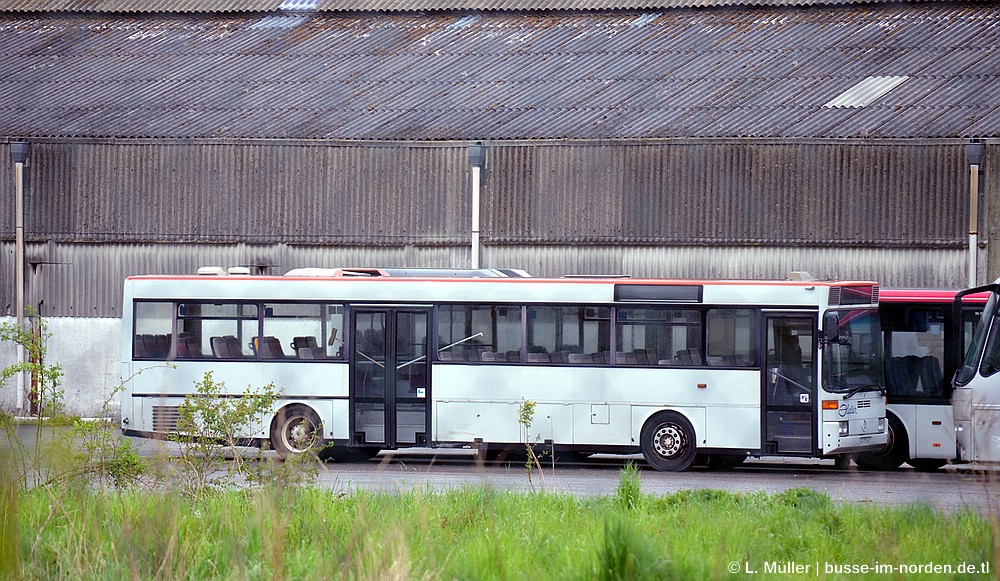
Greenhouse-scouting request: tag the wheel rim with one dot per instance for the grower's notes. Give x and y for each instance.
(299, 434)
(668, 441)
(884, 452)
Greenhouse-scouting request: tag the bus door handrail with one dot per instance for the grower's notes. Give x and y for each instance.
(422, 357)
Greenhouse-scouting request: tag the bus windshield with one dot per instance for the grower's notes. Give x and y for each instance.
(975, 349)
(854, 361)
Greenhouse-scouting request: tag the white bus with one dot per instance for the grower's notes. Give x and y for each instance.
(369, 359)
(924, 338)
(976, 396)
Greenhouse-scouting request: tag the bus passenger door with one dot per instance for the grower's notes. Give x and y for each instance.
(789, 417)
(390, 375)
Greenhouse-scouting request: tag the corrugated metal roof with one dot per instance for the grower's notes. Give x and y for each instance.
(717, 73)
(245, 6)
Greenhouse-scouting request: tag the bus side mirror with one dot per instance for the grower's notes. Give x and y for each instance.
(831, 328)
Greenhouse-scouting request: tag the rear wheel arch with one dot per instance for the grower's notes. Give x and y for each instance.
(296, 429)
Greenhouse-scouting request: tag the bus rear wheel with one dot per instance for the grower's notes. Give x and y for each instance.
(668, 443)
(295, 430)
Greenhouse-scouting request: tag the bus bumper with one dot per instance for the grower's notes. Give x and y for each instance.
(866, 435)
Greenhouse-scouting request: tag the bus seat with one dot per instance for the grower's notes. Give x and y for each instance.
(226, 347)
(220, 349)
(538, 358)
(270, 348)
(898, 376)
(139, 348)
(488, 356)
(308, 348)
(235, 349)
(931, 376)
(514, 355)
(300, 342)
(626, 358)
(188, 348)
(580, 358)
(161, 345)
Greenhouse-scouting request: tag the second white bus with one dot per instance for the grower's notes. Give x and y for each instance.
(924, 338)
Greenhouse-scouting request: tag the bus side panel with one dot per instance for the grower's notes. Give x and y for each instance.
(339, 427)
(732, 427)
(316, 385)
(464, 421)
(978, 436)
(590, 405)
(603, 423)
(934, 429)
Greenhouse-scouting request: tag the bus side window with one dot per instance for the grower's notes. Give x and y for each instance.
(479, 333)
(991, 355)
(730, 337)
(153, 329)
(557, 332)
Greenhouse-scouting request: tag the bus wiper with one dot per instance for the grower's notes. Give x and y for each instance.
(855, 390)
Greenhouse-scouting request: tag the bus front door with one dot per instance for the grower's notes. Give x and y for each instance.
(789, 397)
(390, 375)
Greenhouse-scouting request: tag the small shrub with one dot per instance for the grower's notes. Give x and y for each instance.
(525, 417)
(209, 429)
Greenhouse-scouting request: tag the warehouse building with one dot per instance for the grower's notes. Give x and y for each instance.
(667, 138)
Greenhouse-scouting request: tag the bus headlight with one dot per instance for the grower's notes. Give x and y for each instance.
(842, 428)
(881, 425)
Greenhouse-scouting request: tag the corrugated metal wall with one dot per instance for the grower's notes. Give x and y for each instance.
(86, 279)
(101, 210)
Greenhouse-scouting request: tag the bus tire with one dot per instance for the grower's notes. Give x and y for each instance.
(892, 455)
(296, 430)
(668, 442)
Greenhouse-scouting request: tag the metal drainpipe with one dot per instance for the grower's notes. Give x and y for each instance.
(477, 159)
(19, 152)
(975, 152)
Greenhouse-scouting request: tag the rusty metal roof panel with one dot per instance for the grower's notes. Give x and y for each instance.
(724, 72)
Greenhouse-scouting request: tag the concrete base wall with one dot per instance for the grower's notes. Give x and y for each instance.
(88, 350)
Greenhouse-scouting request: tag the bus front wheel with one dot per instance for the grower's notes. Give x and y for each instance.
(668, 443)
(295, 430)
(892, 455)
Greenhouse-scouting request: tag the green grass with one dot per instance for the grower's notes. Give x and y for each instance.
(474, 533)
